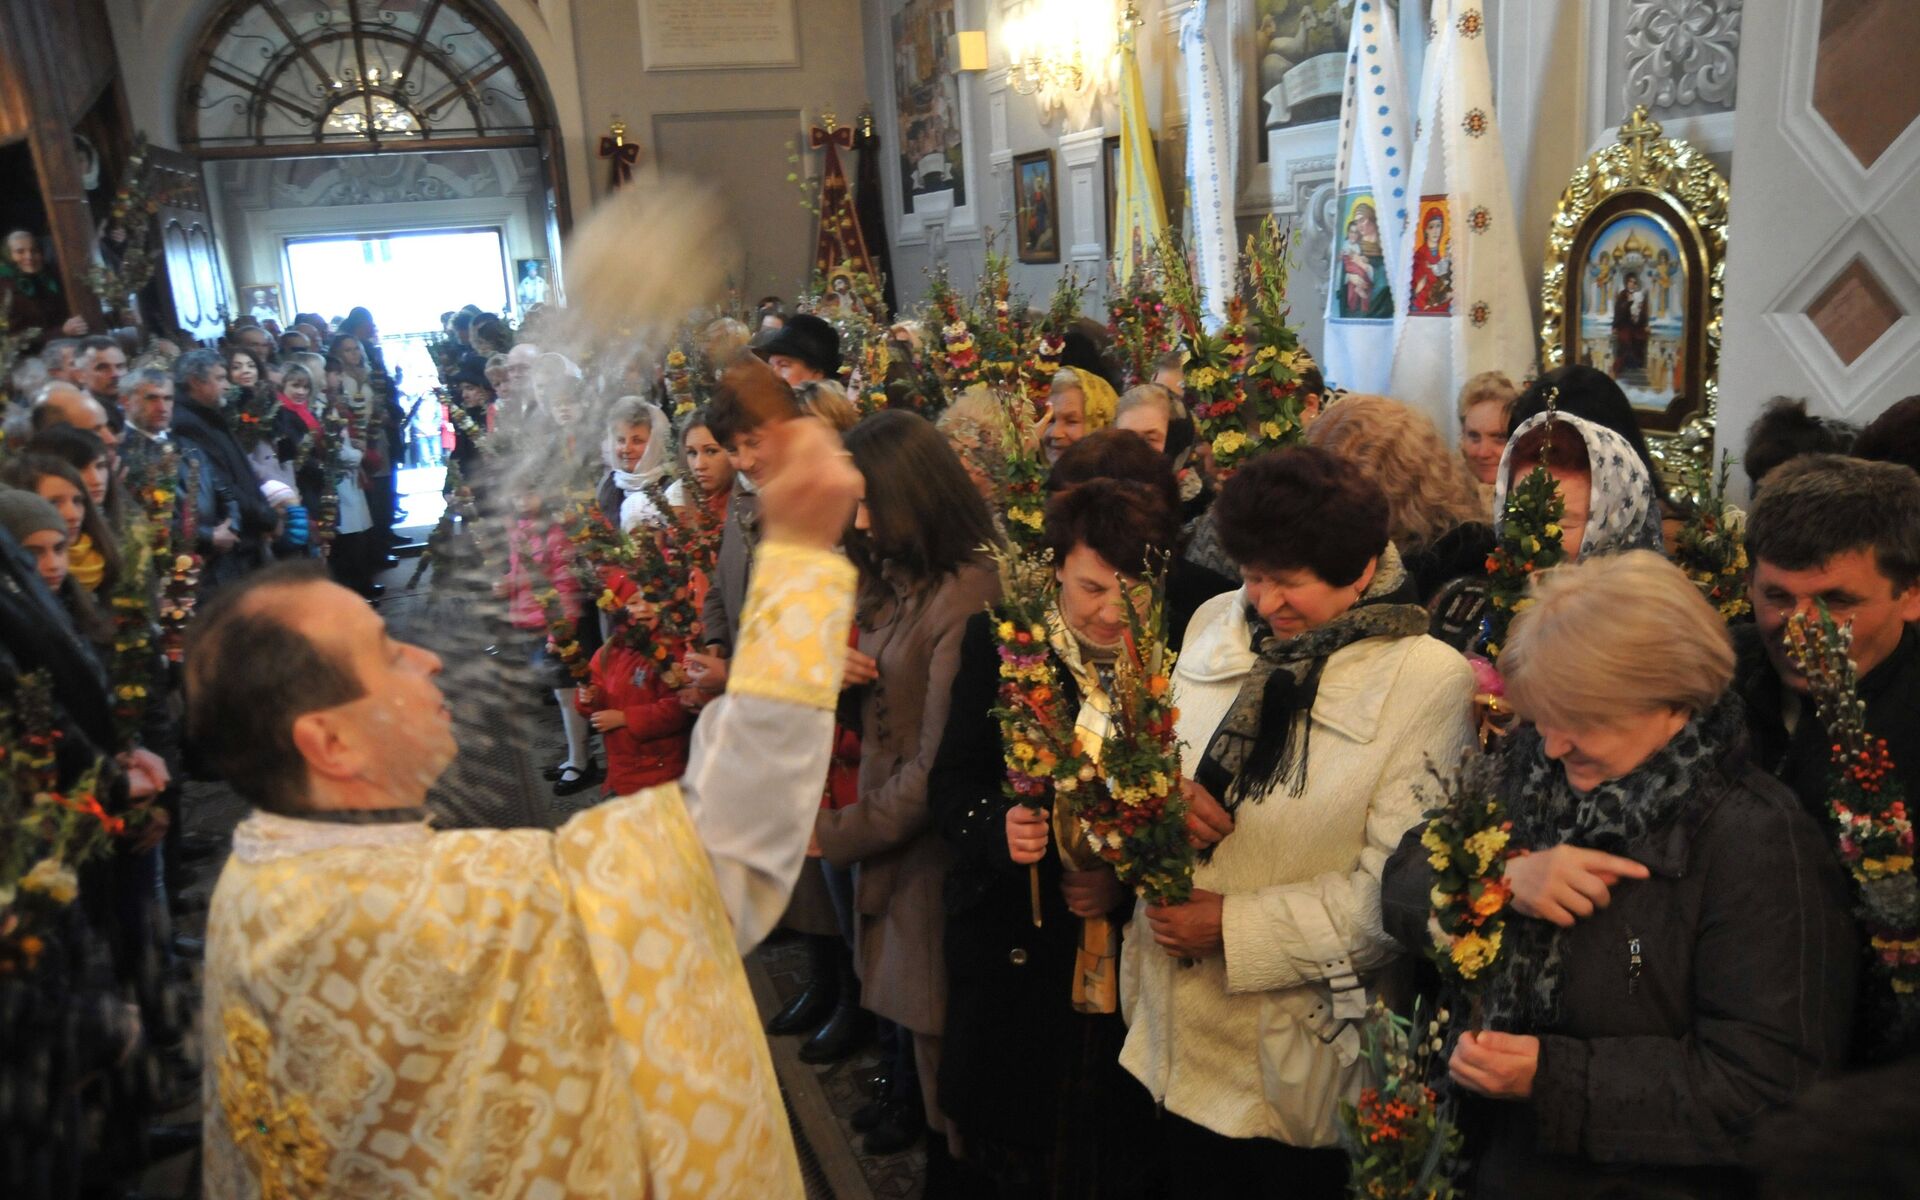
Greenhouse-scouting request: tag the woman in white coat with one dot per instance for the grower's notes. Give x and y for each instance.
(1311, 701)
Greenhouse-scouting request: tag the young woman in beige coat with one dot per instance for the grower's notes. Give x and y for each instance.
(918, 541)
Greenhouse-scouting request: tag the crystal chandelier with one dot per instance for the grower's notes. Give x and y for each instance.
(361, 109)
(1052, 68)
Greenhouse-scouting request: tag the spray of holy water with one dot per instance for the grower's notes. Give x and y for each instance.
(644, 263)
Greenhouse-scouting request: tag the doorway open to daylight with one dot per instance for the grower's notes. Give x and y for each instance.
(407, 280)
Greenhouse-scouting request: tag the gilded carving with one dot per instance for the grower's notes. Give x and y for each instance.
(1672, 190)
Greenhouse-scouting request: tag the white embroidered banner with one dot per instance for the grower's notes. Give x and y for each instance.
(1210, 158)
(1466, 298)
(1372, 180)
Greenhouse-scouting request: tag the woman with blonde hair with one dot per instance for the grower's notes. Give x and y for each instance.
(977, 427)
(827, 400)
(1434, 514)
(1486, 404)
(1670, 970)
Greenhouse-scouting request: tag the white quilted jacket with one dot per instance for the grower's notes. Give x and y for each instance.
(1260, 1042)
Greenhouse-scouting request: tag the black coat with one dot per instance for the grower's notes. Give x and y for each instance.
(1801, 760)
(1017, 1060)
(208, 429)
(1650, 1086)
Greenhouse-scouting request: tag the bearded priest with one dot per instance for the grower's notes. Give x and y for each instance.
(394, 1011)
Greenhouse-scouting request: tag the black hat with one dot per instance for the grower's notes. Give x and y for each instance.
(807, 338)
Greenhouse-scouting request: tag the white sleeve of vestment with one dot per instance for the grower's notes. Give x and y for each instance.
(754, 778)
(757, 767)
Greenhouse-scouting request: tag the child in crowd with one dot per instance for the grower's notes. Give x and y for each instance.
(539, 558)
(632, 705)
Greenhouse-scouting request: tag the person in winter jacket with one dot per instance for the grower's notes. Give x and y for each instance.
(1677, 959)
(631, 703)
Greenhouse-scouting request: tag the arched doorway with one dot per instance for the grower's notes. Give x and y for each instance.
(283, 78)
(377, 152)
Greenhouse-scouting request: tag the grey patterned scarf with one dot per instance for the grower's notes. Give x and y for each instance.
(1523, 993)
(1257, 743)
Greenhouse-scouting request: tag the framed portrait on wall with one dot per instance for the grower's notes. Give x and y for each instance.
(532, 282)
(1036, 208)
(1634, 279)
(262, 302)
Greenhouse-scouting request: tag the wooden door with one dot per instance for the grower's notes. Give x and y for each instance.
(1823, 256)
(195, 283)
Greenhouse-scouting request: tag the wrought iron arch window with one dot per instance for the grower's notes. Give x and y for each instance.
(358, 75)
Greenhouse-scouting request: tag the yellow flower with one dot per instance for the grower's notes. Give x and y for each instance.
(1485, 845)
(676, 360)
(1228, 443)
(1270, 430)
(1552, 530)
(1473, 953)
(1264, 353)
(53, 879)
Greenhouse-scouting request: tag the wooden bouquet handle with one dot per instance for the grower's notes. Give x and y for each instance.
(1033, 890)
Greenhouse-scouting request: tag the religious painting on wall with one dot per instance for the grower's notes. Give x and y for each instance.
(1036, 208)
(1360, 263)
(532, 282)
(927, 93)
(1431, 291)
(262, 301)
(1299, 61)
(1634, 276)
(1633, 320)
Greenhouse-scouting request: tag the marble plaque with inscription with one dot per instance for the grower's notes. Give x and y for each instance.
(693, 35)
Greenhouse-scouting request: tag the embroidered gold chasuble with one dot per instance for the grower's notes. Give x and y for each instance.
(395, 1012)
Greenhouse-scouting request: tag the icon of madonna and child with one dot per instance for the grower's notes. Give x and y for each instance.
(1362, 286)
(1631, 289)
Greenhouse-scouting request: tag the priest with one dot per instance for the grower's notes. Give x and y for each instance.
(394, 1011)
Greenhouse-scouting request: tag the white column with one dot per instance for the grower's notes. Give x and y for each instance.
(1082, 194)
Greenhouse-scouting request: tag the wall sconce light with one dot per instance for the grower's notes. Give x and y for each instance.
(970, 50)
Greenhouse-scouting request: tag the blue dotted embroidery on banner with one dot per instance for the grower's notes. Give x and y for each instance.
(1401, 215)
(1379, 90)
(1391, 151)
(1366, 29)
(1394, 171)
(1387, 130)
(1374, 70)
(1383, 110)
(1399, 192)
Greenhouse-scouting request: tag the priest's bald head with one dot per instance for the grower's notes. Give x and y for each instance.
(299, 697)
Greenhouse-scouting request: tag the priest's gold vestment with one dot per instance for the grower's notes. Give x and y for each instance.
(392, 1011)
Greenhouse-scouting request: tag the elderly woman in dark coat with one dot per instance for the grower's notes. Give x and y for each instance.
(918, 541)
(1677, 960)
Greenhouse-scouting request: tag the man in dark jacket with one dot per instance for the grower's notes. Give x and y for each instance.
(200, 419)
(1847, 532)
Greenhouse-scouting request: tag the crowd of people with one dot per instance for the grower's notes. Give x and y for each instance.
(806, 729)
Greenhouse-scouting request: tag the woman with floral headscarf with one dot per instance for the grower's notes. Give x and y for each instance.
(1611, 506)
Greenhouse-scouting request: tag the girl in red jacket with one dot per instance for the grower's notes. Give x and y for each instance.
(637, 713)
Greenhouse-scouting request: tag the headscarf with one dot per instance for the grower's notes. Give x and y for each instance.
(639, 507)
(1624, 515)
(1100, 402)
